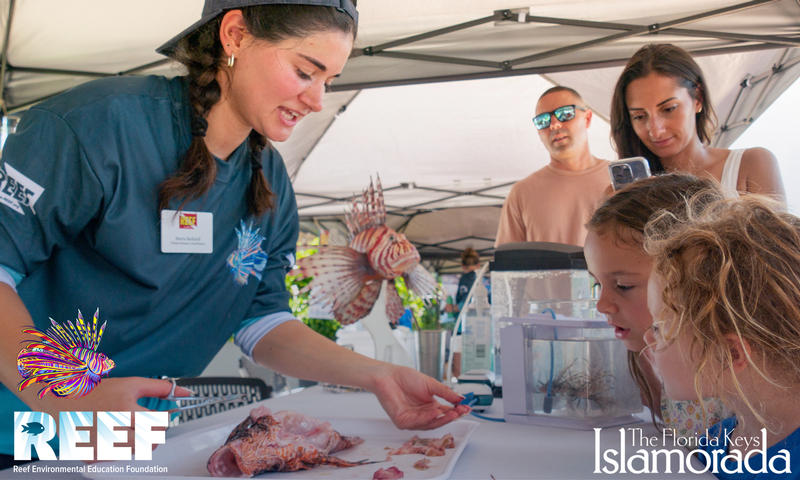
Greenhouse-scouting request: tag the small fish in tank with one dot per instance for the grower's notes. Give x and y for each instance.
(592, 384)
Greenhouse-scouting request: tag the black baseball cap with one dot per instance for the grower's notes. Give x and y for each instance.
(212, 8)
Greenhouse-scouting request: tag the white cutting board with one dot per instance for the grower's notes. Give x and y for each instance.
(185, 456)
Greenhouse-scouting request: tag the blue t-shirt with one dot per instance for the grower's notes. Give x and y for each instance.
(464, 284)
(791, 444)
(79, 220)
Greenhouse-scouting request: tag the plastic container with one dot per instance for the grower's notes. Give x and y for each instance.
(531, 277)
(476, 343)
(566, 373)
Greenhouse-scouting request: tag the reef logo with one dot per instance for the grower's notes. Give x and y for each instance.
(188, 220)
(35, 429)
(17, 190)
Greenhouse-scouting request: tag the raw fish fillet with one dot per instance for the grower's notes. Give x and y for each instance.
(423, 464)
(391, 473)
(431, 447)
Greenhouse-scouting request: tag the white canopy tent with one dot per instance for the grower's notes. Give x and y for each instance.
(449, 130)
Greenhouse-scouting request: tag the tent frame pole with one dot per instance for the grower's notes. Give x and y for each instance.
(750, 82)
(498, 15)
(641, 30)
(775, 69)
(342, 87)
(503, 68)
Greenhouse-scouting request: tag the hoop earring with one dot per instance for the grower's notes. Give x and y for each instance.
(231, 59)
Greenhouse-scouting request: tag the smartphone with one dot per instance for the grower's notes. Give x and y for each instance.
(628, 170)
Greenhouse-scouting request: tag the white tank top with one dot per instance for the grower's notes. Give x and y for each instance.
(730, 173)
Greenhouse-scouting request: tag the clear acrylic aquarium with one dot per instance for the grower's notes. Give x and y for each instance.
(517, 293)
(566, 373)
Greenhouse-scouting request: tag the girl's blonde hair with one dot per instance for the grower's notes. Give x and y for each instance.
(732, 268)
(624, 216)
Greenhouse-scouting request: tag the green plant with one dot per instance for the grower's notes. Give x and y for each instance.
(427, 316)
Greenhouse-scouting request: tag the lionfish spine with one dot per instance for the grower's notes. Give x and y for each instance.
(60, 334)
(376, 201)
(370, 212)
(99, 335)
(82, 330)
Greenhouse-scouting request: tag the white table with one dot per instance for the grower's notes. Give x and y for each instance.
(502, 450)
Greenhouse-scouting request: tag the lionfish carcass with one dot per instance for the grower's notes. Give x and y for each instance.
(350, 277)
(285, 441)
(65, 358)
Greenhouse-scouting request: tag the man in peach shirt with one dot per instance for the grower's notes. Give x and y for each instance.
(554, 203)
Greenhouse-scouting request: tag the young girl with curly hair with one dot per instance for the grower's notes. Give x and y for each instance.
(725, 299)
(621, 268)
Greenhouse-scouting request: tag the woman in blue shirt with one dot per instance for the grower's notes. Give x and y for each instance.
(135, 195)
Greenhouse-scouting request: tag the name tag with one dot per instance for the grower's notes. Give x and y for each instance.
(187, 232)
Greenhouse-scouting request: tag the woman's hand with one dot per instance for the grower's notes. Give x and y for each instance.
(113, 395)
(408, 398)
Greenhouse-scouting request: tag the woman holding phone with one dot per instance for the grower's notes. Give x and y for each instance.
(661, 110)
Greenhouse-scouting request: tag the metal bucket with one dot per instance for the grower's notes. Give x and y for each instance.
(431, 346)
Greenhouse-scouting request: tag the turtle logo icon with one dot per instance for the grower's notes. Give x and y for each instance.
(33, 428)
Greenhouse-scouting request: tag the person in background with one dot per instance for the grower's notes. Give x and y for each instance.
(470, 262)
(554, 202)
(100, 173)
(661, 110)
(618, 263)
(724, 298)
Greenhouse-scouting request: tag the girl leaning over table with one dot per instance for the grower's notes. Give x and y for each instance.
(617, 261)
(724, 298)
(104, 170)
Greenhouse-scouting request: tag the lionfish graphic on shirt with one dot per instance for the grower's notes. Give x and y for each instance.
(65, 358)
(350, 277)
(249, 258)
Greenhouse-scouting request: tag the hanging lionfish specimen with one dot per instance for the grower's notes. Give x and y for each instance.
(65, 359)
(350, 277)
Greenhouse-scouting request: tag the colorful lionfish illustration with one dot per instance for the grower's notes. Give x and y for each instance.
(350, 277)
(249, 258)
(65, 359)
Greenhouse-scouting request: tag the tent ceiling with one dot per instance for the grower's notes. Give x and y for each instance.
(467, 40)
(460, 143)
(402, 133)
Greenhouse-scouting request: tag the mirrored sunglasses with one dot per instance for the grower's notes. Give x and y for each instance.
(562, 114)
